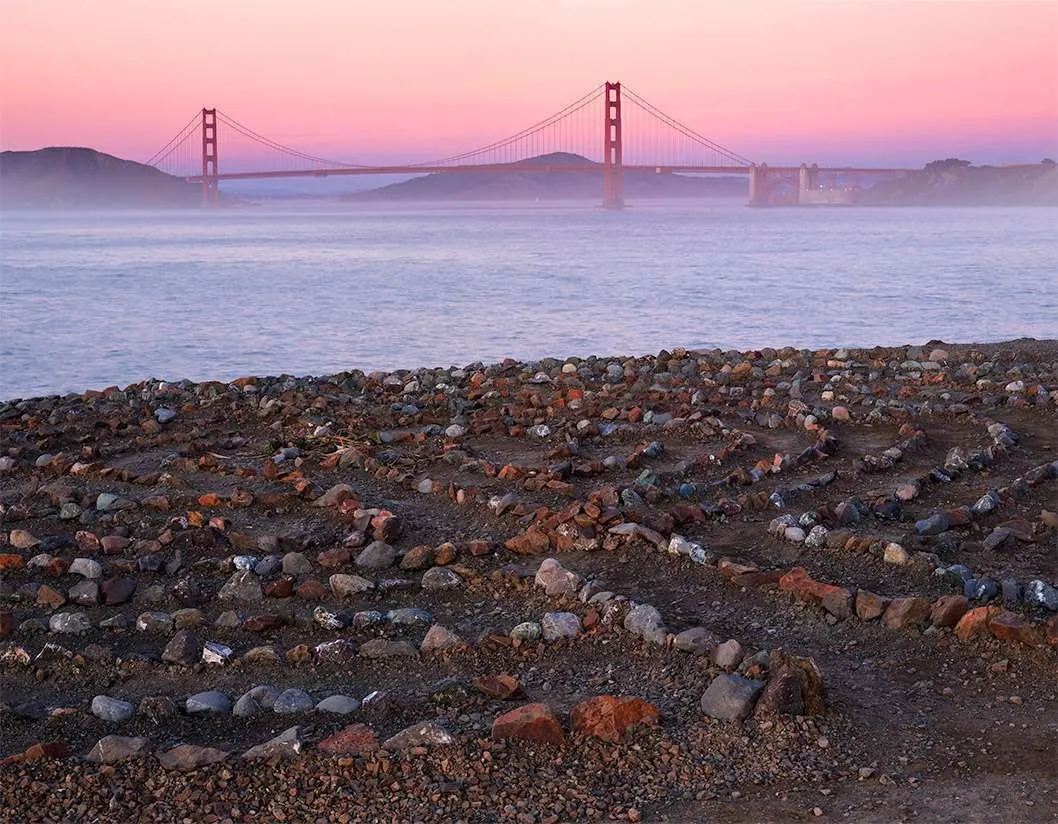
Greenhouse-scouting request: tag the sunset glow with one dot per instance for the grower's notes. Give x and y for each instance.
(776, 80)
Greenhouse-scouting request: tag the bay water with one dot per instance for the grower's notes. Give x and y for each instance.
(89, 300)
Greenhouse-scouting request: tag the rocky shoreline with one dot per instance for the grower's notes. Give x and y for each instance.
(726, 585)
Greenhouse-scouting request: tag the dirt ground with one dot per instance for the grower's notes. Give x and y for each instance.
(455, 468)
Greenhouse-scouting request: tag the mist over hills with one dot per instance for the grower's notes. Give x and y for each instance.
(75, 177)
(531, 182)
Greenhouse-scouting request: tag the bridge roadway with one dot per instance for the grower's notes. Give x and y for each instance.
(522, 166)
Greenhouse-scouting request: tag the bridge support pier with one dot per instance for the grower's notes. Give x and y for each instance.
(210, 183)
(807, 183)
(758, 184)
(612, 182)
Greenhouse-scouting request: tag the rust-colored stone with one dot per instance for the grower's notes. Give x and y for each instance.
(609, 717)
(870, 605)
(948, 609)
(500, 687)
(975, 622)
(10, 561)
(530, 722)
(263, 623)
(356, 739)
(1009, 626)
(530, 542)
(906, 612)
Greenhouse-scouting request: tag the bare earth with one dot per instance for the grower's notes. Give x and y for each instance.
(162, 541)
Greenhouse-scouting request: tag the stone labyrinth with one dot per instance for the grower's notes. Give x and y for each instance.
(568, 590)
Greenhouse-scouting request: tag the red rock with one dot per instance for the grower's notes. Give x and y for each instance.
(417, 557)
(113, 544)
(356, 739)
(500, 687)
(975, 622)
(530, 542)
(870, 606)
(906, 612)
(48, 597)
(57, 567)
(210, 499)
(313, 590)
(117, 590)
(960, 516)
(10, 561)
(1051, 631)
(263, 623)
(1009, 626)
(477, 548)
(42, 749)
(609, 718)
(948, 609)
(837, 601)
(280, 588)
(334, 558)
(446, 554)
(530, 722)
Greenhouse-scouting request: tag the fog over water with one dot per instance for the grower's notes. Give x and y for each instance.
(88, 300)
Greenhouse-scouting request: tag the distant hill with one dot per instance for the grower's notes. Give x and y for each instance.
(529, 182)
(73, 178)
(955, 182)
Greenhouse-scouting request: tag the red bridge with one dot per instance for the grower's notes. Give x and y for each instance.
(635, 136)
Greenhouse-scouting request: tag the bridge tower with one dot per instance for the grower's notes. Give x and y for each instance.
(613, 192)
(210, 183)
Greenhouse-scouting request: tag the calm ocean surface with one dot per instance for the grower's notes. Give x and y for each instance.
(92, 300)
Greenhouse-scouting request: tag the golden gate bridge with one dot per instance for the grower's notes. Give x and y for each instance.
(613, 128)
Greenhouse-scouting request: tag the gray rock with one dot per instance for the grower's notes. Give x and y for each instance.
(729, 654)
(731, 697)
(209, 701)
(1041, 594)
(527, 631)
(215, 653)
(980, 589)
(286, 744)
(556, 580)
(112, 709)
(645, 621)
(338, 704)
(376, 555)
(163, 414)
(409, 616)
(293, 700)
(559, 625)
(343, 585)
(186, 757)
(438, 578)
(336, 651)
(242, 586)
(335, 495)
(86, 567)
(268, 565)
(156, 623)
(114, 748)
(182, 649)
(932, 525)
(696, 641)
(246, 707)
(85, 593)
(1011, 590)
(418, 735)
(295, 563)
(71, 623)
(265, 695)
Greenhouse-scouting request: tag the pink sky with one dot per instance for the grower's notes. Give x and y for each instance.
(779, 81)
